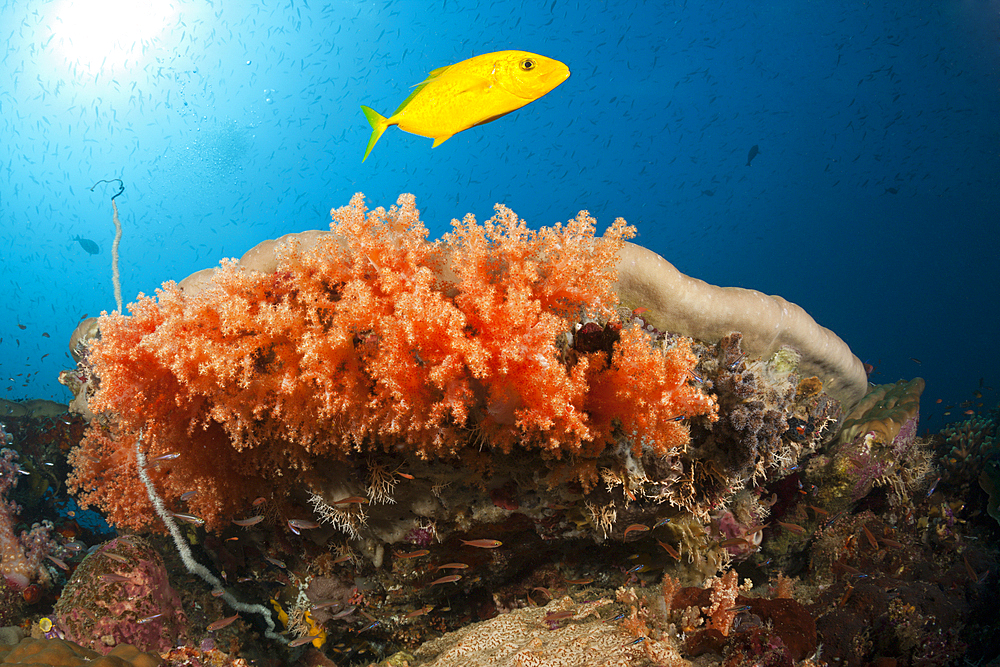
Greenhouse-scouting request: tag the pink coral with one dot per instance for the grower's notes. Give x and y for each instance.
(374, 337)
(121, 595)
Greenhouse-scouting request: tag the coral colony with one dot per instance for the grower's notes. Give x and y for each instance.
(376, 341)
(394, 450)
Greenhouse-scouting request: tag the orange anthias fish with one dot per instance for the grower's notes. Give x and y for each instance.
(470, 93)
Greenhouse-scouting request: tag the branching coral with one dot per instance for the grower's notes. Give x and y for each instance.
(369, 338)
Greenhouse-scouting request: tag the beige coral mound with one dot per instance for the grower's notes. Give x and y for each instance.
(524, 637)
(692, 307)
(44, 652)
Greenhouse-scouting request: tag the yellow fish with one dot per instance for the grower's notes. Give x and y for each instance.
(469, 93)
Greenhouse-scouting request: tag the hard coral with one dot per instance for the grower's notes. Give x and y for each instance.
(120, 594)
(57, 652)
(366, 338)
(523, 637)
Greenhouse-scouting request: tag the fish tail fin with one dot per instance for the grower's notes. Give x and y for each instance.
(378, 122)
(440, 140)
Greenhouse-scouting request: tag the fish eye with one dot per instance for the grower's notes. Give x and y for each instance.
(528, 64)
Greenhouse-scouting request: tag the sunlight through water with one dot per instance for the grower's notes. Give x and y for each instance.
(102, 37)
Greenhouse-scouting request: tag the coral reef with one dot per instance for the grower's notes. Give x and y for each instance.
(470, 452)
(966, 449)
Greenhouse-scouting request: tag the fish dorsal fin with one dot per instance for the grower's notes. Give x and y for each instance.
(435, 73)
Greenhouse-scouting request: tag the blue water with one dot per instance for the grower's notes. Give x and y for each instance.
(873, 202)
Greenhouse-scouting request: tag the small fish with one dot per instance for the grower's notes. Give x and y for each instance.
(350, 500)
(302, 641)
(543, 590)
(116, 557)
(754, 152)
(968, 568)
(325, 604)
(818, 510)
(303, 524)
(578, 582)
(446, 580)
(870, 537)
(469, 93)
(795, 528)
(635, 527)
(275, 562)
(88, 245)
(61, 564)
(222, 622)
(252, 521)
(412, 554)
(452, 566)
(147, 619)
(891, 543)
(733, 542)
(670, 550)
(559, 615)
(341, 614)
(189, 518)
(483, 544)
(114, 578)
(420, 612)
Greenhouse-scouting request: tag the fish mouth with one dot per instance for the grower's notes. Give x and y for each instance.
(554, 77)
(557, 76)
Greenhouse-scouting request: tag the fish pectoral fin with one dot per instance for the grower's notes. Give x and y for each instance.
(473, 85)
(440, 140)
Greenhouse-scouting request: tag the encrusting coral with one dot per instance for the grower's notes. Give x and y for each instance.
(372, 339)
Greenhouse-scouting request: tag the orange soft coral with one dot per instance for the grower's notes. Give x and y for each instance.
(373, 337)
